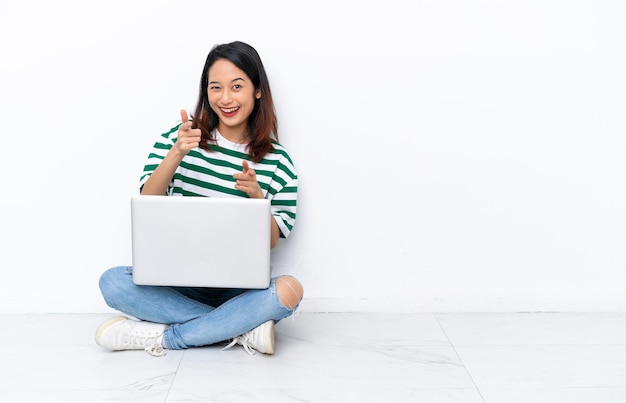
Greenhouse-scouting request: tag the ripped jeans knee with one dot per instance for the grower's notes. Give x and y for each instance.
(289, 291)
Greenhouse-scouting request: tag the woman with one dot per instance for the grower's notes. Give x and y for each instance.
(229, 149)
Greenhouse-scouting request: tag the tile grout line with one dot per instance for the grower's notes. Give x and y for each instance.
(460, 359)
(169, 389)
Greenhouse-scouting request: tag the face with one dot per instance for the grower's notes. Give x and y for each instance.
(231, 96)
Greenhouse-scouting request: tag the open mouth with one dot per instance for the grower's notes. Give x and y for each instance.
(228, 112)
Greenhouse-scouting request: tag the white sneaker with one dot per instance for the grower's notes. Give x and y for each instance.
(121, 333)
(261, 339)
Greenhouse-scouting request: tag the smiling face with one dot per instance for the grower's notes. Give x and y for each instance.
(232, 97)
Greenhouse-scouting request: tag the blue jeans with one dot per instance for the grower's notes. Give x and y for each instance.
(196, 316)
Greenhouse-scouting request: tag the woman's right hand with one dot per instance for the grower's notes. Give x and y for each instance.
(188, 138)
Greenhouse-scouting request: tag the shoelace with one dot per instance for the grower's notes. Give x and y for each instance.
(155, 349)
(150, 341)
(244, 341)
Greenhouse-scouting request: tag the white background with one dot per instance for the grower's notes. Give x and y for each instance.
(453, 155)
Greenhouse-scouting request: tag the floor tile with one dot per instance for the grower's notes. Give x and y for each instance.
(548, 366)
(66, 357)
(339, 395)
(340, 329)
(555, 395)
(480, 329)
(83, 396)
(300, 365)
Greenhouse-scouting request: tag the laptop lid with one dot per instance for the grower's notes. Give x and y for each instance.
(200, 241)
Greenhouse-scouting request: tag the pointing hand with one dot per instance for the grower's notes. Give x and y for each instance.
(247, 182)
(188, 138)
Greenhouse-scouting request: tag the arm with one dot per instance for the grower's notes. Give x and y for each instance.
(188, 138)
(158, 182)
(275, 232)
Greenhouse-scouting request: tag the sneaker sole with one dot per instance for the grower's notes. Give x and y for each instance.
(105, 325)
(269, 342)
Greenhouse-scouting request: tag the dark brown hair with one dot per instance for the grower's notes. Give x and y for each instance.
(262, 123)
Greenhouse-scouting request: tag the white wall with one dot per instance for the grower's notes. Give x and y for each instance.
(453, 155)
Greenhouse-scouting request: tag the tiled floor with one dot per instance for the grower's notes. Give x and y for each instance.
(433, 358)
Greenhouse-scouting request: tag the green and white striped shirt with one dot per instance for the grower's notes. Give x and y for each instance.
(210, 174)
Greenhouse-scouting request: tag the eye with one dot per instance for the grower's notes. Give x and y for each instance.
(214, 87)
(237, 86)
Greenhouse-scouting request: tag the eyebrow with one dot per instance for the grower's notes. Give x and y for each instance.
(232, 81)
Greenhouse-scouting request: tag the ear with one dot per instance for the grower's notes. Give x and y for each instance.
(258, 94)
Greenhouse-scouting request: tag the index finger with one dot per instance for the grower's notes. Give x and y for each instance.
(183, 116)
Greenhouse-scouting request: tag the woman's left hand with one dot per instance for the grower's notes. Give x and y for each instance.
(246, 182)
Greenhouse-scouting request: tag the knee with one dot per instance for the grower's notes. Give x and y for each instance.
(289, 291)
(109, 277)
(111, 283)
(105, 280)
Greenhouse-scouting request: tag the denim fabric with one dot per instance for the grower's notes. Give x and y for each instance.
(196, 316)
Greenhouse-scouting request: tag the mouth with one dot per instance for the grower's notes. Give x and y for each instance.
(229, 112)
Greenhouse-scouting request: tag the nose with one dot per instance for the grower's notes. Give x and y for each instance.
(226, 96)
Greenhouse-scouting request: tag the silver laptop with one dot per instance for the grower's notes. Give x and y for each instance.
(200, 241)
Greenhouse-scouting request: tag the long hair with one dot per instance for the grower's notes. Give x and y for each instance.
(262, 123)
